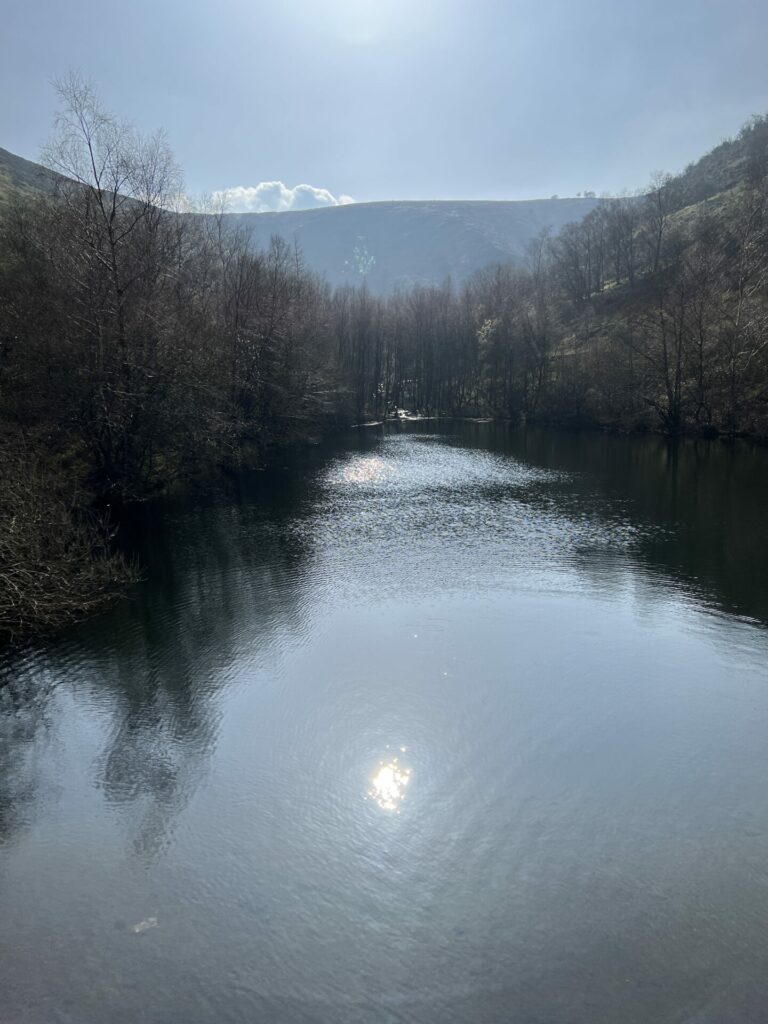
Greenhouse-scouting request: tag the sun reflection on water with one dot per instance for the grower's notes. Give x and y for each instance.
(368, 470)
(388, 784)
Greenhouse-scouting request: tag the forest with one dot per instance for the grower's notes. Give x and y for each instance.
(144, 341)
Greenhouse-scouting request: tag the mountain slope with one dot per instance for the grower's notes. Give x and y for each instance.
(390, 244)
(398, 244)
(402, 243)
(19, 176)
(730, 164)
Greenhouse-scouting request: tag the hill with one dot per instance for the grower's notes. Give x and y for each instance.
(398, 244)
(733, 162)
(389, 244)
(22, 177)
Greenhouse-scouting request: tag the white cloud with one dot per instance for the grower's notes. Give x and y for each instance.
(275, 197)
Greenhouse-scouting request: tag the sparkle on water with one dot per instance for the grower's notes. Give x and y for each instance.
(367, 470)
(389, 783)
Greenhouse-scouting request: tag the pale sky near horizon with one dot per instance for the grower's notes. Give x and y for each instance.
(428, 99)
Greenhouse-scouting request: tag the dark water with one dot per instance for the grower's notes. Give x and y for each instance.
(452, 724)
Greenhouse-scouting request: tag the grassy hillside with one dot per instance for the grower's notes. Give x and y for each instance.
(22, 177)
(733, 162)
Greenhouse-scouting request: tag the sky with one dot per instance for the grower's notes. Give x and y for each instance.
(291, 104)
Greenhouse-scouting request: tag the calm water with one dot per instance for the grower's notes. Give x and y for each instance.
(455, 724)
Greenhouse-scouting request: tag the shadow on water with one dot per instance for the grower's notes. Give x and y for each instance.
(705, 501)
(221, 575)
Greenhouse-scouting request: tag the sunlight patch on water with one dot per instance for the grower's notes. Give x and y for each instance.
(388, 784)
(424, 514)
(367, 470)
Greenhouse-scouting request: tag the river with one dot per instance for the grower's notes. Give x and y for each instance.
(435, 723)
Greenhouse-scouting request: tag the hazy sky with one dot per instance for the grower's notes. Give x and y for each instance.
(382, 99)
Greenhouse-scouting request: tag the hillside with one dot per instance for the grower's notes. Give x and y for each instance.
(399, 244)
(729, 164)
(19, 176)
(389, 244)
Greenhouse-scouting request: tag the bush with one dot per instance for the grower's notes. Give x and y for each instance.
(56, 563)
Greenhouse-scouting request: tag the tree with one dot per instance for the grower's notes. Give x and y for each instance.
(112, 247)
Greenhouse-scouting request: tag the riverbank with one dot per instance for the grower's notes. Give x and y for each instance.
(57, 561)
(575, 425)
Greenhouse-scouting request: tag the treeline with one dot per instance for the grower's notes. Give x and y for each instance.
(141, 341)
(647, 314)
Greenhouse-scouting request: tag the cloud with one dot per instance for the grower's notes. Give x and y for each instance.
(275, 197)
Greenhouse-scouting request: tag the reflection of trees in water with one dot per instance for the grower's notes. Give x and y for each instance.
(701, 505)
(24, 707)
(222, 585)
(223, 582)
(147, 765)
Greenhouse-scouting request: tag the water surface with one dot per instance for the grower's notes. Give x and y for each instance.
(437, 724)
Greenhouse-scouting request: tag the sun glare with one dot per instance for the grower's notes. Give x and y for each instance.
(367, 21)
(388, 785)
(367, 470)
